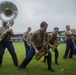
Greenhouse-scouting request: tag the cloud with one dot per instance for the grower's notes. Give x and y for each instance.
(55, 12)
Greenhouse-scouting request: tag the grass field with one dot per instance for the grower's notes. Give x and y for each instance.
(37, 67)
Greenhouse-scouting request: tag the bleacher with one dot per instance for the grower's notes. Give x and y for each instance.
(18, 37)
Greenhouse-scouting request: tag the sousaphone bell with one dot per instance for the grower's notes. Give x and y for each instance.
(8, 11)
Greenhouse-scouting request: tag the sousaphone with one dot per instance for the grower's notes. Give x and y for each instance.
(8, 11)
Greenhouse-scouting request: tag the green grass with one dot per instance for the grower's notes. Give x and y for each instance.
(37, 67)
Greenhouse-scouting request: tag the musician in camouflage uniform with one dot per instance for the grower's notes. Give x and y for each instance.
(26, 38)
(69, 43)
(7, 43)
(36, 44)
(51, 45)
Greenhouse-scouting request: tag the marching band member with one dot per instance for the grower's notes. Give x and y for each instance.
(7, 43)
(74, 40)
(26, 39)
(69, 43)
(36, 44)
(51, 45)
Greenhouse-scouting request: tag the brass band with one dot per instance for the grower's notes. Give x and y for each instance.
(39, 44)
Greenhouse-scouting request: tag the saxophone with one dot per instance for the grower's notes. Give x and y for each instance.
(43, 49)
(55, 44)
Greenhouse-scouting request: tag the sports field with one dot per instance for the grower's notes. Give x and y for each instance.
(66, 67)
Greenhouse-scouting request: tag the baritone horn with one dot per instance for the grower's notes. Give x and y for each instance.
(8, 11)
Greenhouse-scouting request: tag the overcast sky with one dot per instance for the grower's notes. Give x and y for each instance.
(57, 13)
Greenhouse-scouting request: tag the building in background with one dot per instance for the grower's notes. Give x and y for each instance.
(18, 36)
